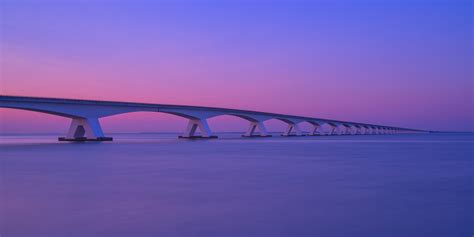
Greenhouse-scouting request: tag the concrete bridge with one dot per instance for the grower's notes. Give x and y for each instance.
(85, 114)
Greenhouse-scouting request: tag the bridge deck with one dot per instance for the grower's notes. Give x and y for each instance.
(167, 106)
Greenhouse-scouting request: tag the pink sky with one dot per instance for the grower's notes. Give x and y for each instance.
(381, 63)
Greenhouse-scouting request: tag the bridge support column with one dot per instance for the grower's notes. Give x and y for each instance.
(348, 130)
(332, 130)
(85, 129)
(261, 128)
(193, 125)
(316, 131)
(292, 127)
(355, 130)
(340, 129)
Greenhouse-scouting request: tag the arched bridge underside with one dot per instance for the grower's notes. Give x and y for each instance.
(85, 114)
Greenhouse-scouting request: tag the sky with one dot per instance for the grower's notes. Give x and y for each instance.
(399, 63)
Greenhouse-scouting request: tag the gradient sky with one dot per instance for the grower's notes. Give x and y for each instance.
(401, 63)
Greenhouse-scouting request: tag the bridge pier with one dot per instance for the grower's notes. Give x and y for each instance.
(193, 125)
(85, 129)
(338, 129)
(344, 130)
(349, 130)
(354, 130)
(332, 129)
(253, 126)
(316, 130)
(292, 127)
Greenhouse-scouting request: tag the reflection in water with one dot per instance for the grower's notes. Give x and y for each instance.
(157, 185)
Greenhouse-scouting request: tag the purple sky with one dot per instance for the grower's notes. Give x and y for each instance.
(401, 63)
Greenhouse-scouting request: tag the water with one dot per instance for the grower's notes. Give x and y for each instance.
(157, 185)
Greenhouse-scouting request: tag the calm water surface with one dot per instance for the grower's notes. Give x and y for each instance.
(157, 185)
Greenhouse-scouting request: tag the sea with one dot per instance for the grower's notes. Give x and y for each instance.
(141, 185)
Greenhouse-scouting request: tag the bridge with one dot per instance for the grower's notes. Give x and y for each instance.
(85, 115)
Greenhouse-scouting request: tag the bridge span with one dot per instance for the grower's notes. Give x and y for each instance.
(85, 115)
